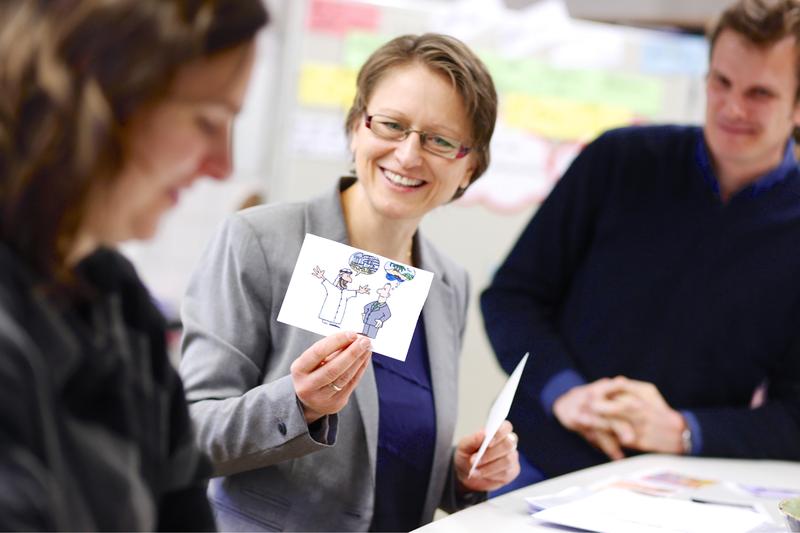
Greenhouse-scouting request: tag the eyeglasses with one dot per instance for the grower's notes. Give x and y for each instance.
(392, 130)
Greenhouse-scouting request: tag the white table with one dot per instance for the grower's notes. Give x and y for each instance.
(509, 512)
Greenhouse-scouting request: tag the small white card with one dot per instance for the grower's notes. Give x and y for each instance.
(499, 410)
(337, 287)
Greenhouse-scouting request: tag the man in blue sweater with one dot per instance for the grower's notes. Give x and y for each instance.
(659, 285)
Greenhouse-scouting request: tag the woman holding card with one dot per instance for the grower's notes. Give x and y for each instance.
(268, 407)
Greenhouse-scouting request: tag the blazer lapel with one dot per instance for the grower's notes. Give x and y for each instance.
(325, 218)
(366, 398)
(441, 337)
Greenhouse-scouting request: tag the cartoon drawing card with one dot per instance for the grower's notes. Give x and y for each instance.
(337, 287)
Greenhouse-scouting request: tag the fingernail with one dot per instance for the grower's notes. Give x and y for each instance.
(364, 344)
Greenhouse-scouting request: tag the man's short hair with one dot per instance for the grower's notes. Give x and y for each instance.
(763, 23)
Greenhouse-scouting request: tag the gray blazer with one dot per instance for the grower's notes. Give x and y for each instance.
(278, 474)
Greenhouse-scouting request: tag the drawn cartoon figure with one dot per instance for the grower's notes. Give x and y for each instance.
(336, 295)
(377, 313)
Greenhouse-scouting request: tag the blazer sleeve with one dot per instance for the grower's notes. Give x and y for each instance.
(241, 422)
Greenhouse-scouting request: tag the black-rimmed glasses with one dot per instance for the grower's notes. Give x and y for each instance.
(392, 129)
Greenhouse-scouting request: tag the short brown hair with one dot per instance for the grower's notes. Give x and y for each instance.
(763, 23)
(450, 57)
(72, 73)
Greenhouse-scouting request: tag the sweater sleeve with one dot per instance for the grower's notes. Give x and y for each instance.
(242, 423)
(522, 303)
(770, 431)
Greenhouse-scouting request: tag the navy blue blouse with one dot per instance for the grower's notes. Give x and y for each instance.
(406, 436)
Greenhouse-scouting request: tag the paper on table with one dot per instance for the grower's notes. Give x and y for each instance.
(622, 511)
(499, 410)
(769, 493)
(540, 502)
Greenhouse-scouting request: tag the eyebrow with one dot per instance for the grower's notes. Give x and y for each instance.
(762, 88)
(756, 87)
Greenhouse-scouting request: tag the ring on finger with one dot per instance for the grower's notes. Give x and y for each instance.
(335, 387)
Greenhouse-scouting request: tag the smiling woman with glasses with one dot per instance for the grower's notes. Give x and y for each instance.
(267, 412)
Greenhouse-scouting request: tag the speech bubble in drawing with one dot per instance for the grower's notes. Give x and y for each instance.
(364, 263)
(399, 273)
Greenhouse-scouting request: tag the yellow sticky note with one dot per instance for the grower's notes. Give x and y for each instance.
(560, 119)
(326, 85)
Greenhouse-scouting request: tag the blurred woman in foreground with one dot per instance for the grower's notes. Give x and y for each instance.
(109, 109)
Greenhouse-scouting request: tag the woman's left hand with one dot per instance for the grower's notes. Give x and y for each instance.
(499, 464)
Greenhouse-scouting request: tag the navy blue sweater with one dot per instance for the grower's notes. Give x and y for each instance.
(634, 266)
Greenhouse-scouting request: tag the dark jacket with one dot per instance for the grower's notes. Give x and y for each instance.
(94, 431)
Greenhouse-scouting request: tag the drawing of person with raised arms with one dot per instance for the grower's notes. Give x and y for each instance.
(336, 295)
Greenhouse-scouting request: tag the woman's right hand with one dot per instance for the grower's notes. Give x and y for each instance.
(326, 374)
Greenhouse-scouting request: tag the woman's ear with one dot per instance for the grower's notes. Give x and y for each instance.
(467, 179)
(354, 137)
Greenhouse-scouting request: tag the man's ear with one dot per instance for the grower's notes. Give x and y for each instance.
(796, 108)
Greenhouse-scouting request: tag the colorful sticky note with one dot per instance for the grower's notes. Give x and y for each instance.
(326, 85)
(358, 46)
(674, 55)
(338, 17)
(560, 119)
(638, 93)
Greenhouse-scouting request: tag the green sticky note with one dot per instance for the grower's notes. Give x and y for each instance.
(358, 46)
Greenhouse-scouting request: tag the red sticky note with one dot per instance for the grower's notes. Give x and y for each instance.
(337, 17)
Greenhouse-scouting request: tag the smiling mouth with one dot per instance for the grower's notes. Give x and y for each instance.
(400, 180)
(735, 129)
